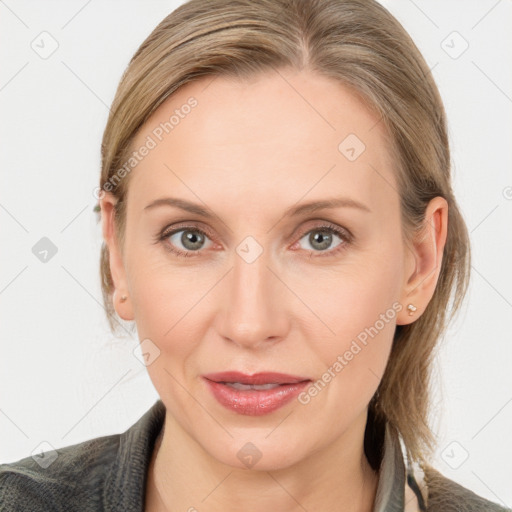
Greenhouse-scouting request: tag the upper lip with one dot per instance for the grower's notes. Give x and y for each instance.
(257, 378)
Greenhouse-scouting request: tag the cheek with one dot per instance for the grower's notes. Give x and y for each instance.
(360, 305)
(166, 308)
(161, 295)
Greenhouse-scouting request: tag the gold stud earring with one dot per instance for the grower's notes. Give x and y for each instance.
(411, 308)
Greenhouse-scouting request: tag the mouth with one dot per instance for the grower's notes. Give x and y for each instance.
(258, 379)
(254, 395)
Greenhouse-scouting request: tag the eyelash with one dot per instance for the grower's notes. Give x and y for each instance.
(344, 234)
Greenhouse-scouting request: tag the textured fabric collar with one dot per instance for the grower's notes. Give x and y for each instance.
(125, 484)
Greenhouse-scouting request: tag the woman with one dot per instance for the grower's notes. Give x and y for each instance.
(279, 222)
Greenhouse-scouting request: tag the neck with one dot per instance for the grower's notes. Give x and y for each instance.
(182, 476)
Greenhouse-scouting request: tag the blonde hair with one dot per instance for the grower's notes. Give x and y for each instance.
(360, 44)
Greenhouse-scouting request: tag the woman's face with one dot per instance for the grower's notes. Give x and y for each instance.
(251, 286)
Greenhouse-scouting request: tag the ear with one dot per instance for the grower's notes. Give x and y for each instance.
(117, 268)
(423, 261)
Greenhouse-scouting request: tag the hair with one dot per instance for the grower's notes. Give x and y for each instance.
(361, 45)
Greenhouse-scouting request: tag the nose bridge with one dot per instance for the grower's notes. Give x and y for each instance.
(254, 311)
(250, 272)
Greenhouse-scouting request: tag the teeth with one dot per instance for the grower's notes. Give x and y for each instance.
(244, 387)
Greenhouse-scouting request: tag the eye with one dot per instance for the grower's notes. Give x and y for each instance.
(321, 239)
(184, 241)
(188, 240)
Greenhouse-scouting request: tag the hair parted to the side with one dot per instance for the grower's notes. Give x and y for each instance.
(360, 44)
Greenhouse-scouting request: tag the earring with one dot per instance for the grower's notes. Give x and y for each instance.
(123, 298)
(411, 308)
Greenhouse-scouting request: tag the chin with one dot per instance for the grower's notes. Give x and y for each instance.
(260, 454)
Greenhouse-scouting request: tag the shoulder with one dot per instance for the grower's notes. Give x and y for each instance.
(106, 473)
(445, 495)
(55, 480)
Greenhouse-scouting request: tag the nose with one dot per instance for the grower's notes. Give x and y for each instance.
(253, 303)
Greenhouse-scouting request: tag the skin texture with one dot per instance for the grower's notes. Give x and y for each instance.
(249, 151)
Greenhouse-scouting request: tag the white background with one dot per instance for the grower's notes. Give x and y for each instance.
(65, 379)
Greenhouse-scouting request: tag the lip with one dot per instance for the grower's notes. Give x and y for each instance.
(254, 402)
(257, 378)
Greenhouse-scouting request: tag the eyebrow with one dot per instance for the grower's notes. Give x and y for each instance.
(304, 208)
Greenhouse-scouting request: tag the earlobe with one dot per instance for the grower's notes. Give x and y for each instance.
(120, 297)
(426, 252)
(122, 307)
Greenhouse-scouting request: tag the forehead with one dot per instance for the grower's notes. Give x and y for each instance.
(280, 134)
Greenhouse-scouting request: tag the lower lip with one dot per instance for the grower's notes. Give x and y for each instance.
(254, 402)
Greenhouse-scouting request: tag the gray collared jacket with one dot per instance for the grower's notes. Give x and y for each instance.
(109, 473)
